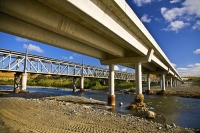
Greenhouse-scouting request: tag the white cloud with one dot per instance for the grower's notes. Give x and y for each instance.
(145, 18)
(116, 68)
(176, 26)
(192, 7)
(77, 55)
(171, 14)
(192, 70)
(196, 25)
(141, 2)
(174, 1)
(64, 57)
(187, 13)
(20, 39)
(197, 51)
(68, 58)
(190, 65)
(32, 47)
(71, 57)
(124, 69)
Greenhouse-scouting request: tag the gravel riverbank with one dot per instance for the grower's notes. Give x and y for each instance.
(44, 112)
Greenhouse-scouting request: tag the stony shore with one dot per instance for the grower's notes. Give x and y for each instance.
(183, 90)
(45, 112)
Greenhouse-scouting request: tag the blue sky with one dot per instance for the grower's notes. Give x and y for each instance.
(174, 24)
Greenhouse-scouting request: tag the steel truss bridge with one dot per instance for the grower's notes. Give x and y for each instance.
(15, 62)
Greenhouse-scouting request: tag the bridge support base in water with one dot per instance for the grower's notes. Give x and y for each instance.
(17, 78)
(82, 90)
(111, 100)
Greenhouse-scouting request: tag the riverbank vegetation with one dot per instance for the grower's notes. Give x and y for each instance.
(67, 82)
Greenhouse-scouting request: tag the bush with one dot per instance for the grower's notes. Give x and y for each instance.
(132, 89)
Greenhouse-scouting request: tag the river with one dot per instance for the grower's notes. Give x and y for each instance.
(184, 112)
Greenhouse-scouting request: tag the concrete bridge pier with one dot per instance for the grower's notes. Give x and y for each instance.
(17, 83)
(24, 81)
(111, 96)
(74, 85)
(161, 81)
(171, 82)
(163, 91)
(138, 83)
(82, 84)
(174, 82)
(148, 91)
(167, 84)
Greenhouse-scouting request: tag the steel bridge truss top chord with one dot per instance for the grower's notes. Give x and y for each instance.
(14, 61)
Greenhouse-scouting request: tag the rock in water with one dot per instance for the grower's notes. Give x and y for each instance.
(151, 114)
(120, 104)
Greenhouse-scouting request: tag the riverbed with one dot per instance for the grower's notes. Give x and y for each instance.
(184, 112)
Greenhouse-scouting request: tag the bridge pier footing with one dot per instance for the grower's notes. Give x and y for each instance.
(139, 99)
(17, 79)
(111, 96)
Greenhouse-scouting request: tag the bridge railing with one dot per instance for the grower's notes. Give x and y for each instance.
(14, 61)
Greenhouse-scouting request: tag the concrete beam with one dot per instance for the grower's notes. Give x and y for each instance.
(125, 60)
(129, 60)
(104, 16)
(41, 15)
(17, 27)
(160, 63)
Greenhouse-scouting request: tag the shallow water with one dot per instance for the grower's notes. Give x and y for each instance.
(184, 112)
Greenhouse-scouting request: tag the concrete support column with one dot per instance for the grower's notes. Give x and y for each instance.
(24, 81)
(148, 81)
(74, 85)
(111, 96)
(174, 82)
(82, 84)
(138, 78)
(167, 83)
(148, 91)
(163, 81)
(17, 83)
(171, 82)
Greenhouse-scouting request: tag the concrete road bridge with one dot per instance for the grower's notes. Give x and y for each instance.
(108, 30)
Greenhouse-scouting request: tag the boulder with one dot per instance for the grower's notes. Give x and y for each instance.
(121, 104)
(150, 114)
(139, 98)
(149, 92)
(162, 92)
